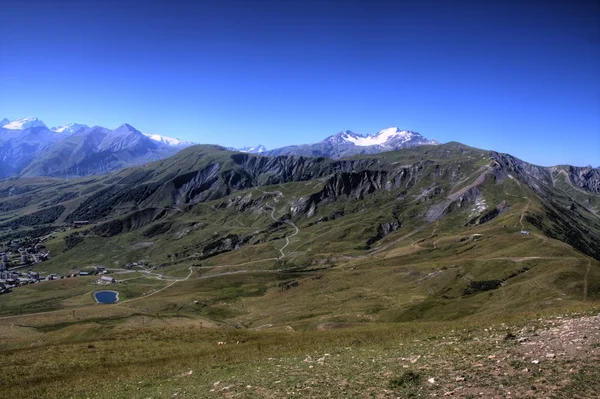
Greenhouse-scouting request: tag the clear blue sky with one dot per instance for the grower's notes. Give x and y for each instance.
(515, 76)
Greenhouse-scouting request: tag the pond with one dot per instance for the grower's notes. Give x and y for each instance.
(106, 296)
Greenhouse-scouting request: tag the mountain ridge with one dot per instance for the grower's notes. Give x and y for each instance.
(29, 148)
(204, 173)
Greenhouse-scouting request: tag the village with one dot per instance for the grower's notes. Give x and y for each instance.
(19, 257)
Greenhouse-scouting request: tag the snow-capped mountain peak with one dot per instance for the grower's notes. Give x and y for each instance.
(170, 141)
(69, 128)
(380, 138)
(389, 137)
(347, 143)
(23, 123)
(3, 122)
(259, 149)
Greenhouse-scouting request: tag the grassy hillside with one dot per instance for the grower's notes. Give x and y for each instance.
(293, 256)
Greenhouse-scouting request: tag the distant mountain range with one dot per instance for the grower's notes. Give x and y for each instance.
(29, 148)
(348, 143)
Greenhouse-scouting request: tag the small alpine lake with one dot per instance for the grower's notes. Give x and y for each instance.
(106, 296)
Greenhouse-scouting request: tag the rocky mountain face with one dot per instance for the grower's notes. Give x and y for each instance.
(417, 186)
(96, 150)
(29, 148)
(348, 143)
(18, 147)
(586, 178)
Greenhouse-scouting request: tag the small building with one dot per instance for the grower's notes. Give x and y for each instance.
(107, 279)
(84, 273)
(525, 232)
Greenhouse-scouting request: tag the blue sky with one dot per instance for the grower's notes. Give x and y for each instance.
(513, 76)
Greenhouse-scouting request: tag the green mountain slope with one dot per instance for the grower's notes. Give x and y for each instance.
(426, 233)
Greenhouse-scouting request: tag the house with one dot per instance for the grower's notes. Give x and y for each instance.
(107, 279)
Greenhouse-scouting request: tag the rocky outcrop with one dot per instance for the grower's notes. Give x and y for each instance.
(240, 203)
(532, 175)
(383, 230)
(191, 186)
(357, 185)
(131, 222)
(586, 178)
(488, 214)
(354, 185)
(221, 245)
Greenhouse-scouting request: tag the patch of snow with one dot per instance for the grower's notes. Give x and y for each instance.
(171, 141)
(23, 123)
(380, 138)
(479, 207)
(259, 149)
(383, 137)
(69, 128)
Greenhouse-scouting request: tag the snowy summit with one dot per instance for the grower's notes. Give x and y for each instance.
(259, 149)
(170, 141)
(390, 137)
(23, 123)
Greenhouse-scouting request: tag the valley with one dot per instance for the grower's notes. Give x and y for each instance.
(240, 275)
